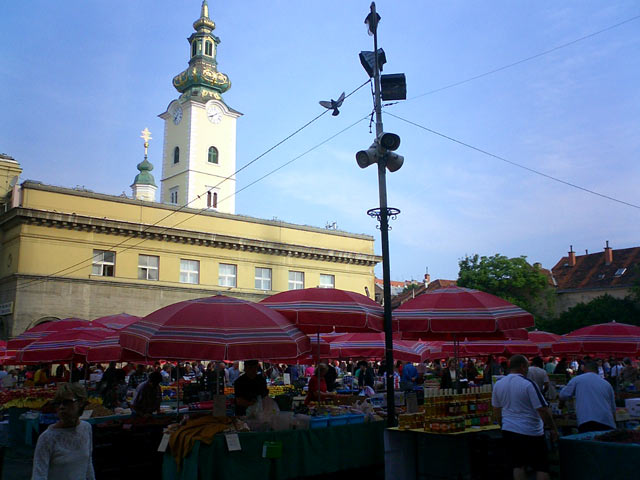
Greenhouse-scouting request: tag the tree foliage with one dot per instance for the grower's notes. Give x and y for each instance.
(512, 279)
(601, 309)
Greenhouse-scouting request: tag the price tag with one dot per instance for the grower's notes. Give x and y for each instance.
(287, 379)
(233, 442)
(86, 415)
(164, 442)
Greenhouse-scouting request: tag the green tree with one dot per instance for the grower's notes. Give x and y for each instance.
(601, 309)
(512, 279)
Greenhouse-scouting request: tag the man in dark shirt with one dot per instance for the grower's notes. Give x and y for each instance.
(248, 387)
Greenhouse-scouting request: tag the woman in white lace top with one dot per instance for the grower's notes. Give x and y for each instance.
(63, 451)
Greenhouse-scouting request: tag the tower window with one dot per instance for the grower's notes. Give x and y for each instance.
(176, 155)
(213, 155)
(193, 49)
(208, 48)
(173, 196)
(212, 199)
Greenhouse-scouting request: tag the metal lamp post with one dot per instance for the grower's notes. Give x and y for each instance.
(381, 152)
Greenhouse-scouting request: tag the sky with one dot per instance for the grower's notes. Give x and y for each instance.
(79, 80)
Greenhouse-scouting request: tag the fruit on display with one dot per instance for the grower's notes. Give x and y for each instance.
(30, 397)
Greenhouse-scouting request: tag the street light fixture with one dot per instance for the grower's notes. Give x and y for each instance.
(382, 152)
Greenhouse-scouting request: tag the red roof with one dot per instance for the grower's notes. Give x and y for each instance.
(592, 272)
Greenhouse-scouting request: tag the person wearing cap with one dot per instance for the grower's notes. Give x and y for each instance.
(595, 400)
(248, 387)
(64, 449)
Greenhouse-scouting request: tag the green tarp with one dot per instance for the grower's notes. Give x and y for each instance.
(304, 453)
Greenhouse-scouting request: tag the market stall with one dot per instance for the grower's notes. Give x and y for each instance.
(611, 455)
(298, 453)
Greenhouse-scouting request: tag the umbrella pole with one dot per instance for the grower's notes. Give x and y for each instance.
(456, 345)
(318, 349)
(178, 390)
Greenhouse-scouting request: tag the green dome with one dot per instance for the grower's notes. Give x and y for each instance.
(144, 177)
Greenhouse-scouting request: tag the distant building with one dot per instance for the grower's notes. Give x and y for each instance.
(581, 278)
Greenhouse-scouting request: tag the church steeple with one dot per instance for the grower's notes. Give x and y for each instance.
(201, 80)
(144, 186)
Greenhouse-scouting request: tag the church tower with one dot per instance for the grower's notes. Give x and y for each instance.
(199, 151)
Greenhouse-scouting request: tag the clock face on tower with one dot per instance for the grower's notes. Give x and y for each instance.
(176, 114)
(214, 113)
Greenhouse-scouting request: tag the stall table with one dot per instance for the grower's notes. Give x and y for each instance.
(305, 453)
(583, 457)
(416, 454)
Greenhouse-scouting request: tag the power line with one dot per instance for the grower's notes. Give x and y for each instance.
(537, 172)
(532, 57)
(81, 264)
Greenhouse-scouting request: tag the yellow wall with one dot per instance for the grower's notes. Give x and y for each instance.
(45, 250)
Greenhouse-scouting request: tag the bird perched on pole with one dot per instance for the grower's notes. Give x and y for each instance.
(333, 104)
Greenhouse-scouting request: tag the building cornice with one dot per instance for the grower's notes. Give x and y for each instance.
(29, 216)
(35, 185)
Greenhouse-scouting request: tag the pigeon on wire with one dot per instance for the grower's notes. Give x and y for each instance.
(333, 104)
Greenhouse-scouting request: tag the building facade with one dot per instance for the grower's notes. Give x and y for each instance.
(581, 278)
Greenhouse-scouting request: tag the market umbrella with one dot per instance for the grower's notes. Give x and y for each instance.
(44, 329)
(372, 345)
(65, 346)
(115, 322)
(610, 338)
(453, 313)
(491, 347)
(544, 340)
(215, 328)
(324, 310)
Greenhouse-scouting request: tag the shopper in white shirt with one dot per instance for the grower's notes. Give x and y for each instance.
(538, 374)
(63, 451)
(523, 412)
(595, 400)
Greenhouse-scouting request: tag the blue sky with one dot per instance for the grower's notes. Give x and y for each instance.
(81, 79)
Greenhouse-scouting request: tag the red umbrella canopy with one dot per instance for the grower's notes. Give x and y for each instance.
(215, 328)
(544, 340)
(115, 322)
(612, 337)
(65, 346)
(372, 345)
(456, 312)
(44, 329)
(321, 310)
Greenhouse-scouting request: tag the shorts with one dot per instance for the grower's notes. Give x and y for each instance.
(526, 450)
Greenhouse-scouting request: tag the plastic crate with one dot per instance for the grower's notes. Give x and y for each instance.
(319, 422)
(338, 420)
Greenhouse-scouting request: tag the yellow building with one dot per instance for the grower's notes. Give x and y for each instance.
(75, 253)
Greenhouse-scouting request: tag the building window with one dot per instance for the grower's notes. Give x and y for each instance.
(208, 48)
(189, 271)
(327, 281)
(296, 280)
(193, 49)
(104, 263)
(213, 155)
(212, 199)
(176, 155)
(148, 267)
(173, 196)
(263, 278)
(227, 275)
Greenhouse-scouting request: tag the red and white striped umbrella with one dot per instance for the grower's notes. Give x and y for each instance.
(544, 340)
(115, 322)
(324, 310)
(372, 345)
(455, 313)
(65, 346)
(610, 338)
(215, 328)
(44, 329)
